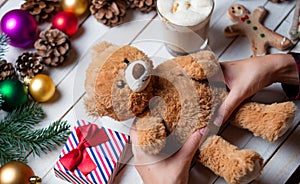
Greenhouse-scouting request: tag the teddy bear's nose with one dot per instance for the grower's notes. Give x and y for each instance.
(137, 75)
(138, 70)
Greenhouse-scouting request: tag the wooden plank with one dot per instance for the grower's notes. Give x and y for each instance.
(295, 178)
(57, 73)
(284, 162)
(266, 149)
(48, 160)
(129, 175)
(51, 178)
(268, 95)
(138, 45)
(2, 2)
(198, 173)
(242, 43)
(284, 8)
(243, 138)
(72, 87)
(67, 77)
(217, 28)
(9, 5)
(126, 175)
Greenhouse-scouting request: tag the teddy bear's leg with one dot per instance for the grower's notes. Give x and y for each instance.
(234, 165)
(267, 121)
(151, 134)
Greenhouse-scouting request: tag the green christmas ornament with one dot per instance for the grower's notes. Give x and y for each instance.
(13, 94)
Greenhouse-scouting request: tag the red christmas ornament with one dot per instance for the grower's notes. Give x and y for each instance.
(66, 22)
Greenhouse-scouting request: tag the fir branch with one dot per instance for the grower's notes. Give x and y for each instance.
(24, 117)
(4, 40)
(9, 153)
(1, 101)
(46, 139)
(17, 137)
(37, 141)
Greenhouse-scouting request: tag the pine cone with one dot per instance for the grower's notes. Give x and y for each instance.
(41, 10)
(7, 70)
(109, 12)
(143, 5)
(29, 64)
(53, 46)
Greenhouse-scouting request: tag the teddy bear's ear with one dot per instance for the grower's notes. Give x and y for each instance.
(100, 53)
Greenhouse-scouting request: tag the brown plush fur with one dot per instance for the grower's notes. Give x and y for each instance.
(178, 100)
(268, 127)
(100, 54)
(228, 161)
(105, 97)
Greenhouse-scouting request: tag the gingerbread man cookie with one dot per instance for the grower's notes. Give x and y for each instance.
(249, 24)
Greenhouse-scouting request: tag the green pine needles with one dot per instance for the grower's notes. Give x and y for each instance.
(1, 101)
(4, 40)
(18, 138)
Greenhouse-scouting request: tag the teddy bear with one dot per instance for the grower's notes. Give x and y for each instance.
(172, 100)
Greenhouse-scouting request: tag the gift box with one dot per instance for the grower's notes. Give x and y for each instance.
(92, 155)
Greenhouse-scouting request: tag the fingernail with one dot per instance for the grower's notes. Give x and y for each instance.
(218, 121)
(204, 131)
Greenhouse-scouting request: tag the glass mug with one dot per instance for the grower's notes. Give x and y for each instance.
(185, 24)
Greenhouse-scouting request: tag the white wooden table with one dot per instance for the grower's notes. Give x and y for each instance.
(281, 158)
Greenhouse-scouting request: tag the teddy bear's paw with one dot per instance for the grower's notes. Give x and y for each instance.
(289, 111)
(245, 166)
(267, 121)
(151, 134)
(226, 160)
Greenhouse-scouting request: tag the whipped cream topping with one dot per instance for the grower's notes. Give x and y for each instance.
(185, 12)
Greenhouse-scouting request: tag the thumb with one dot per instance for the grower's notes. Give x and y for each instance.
(190, 147)
(231, 102)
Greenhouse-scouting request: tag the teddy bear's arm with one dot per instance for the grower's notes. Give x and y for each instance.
(233, 30)
(151, 134)
(267, 121)
(197, 66)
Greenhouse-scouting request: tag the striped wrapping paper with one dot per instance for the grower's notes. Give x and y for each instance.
(106, 156)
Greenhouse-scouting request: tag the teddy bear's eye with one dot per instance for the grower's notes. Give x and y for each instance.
(239, 7)
(121, 84)
(126, 61)
(145, 78)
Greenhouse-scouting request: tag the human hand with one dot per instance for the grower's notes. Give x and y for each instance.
(173, 169)
(246, 77)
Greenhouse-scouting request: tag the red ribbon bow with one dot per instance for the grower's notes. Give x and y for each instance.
(88, 136)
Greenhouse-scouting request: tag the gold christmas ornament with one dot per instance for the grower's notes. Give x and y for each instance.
(17, 172)
(41, 88)
(78, 7)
